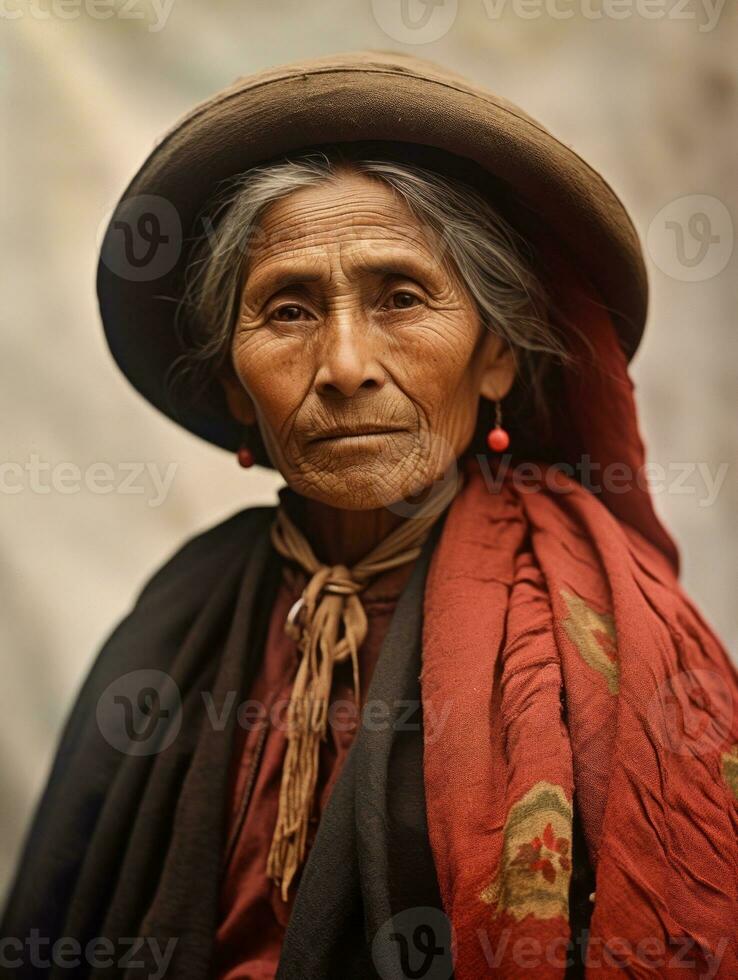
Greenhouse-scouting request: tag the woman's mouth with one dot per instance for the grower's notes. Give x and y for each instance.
(356, 434)
(369, 438)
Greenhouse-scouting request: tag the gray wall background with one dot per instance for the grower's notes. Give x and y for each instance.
(645, 90)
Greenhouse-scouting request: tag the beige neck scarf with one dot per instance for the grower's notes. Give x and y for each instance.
(329, 624)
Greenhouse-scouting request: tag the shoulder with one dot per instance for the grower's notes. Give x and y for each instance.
(202, 556)
(151, 633)
(165, 608)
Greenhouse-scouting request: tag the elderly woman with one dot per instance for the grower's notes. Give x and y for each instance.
(445, 709)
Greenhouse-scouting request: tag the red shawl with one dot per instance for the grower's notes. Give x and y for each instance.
(564, 659)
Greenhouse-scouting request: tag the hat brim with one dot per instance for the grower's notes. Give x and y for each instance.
(363, 96)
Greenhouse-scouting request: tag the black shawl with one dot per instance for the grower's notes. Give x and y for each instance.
(125, 853)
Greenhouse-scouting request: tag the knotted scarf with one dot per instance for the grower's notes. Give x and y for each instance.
(329, 624)
(568, 664)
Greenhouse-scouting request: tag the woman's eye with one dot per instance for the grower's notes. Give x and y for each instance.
(288, 312)
(403, 300)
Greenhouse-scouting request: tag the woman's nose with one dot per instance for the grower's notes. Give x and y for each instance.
(348, 362)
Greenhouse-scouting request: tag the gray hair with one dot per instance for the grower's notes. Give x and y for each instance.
(485, 251)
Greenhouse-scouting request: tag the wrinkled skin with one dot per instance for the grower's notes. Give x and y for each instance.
(357, 349)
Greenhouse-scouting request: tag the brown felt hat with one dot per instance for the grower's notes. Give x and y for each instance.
(412, 107)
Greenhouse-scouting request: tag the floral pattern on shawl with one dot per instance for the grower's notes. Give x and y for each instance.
(536, 867)
(593, 634)
(730, 769)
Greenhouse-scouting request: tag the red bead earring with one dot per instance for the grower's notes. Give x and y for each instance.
(497, 438)
(245, 456)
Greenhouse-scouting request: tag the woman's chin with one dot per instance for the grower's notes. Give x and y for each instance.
(363, 484)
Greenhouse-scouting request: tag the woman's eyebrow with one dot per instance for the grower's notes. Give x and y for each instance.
(405, 265)
(261, 285)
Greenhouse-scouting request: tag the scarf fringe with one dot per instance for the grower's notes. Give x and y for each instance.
(329, 624)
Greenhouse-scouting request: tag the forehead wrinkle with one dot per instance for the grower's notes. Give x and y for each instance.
(369, 193)
(313, 207)
(368, 259)
(296, 231)
(280, 271)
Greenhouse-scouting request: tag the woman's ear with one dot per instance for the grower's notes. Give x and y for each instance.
(239, 401)
(499, 368)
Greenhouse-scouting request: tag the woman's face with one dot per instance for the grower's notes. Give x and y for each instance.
(357, 349)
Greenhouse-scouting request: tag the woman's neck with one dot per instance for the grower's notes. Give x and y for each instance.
(344, 537)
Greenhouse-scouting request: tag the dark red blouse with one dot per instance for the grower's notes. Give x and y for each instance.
(252, 914)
